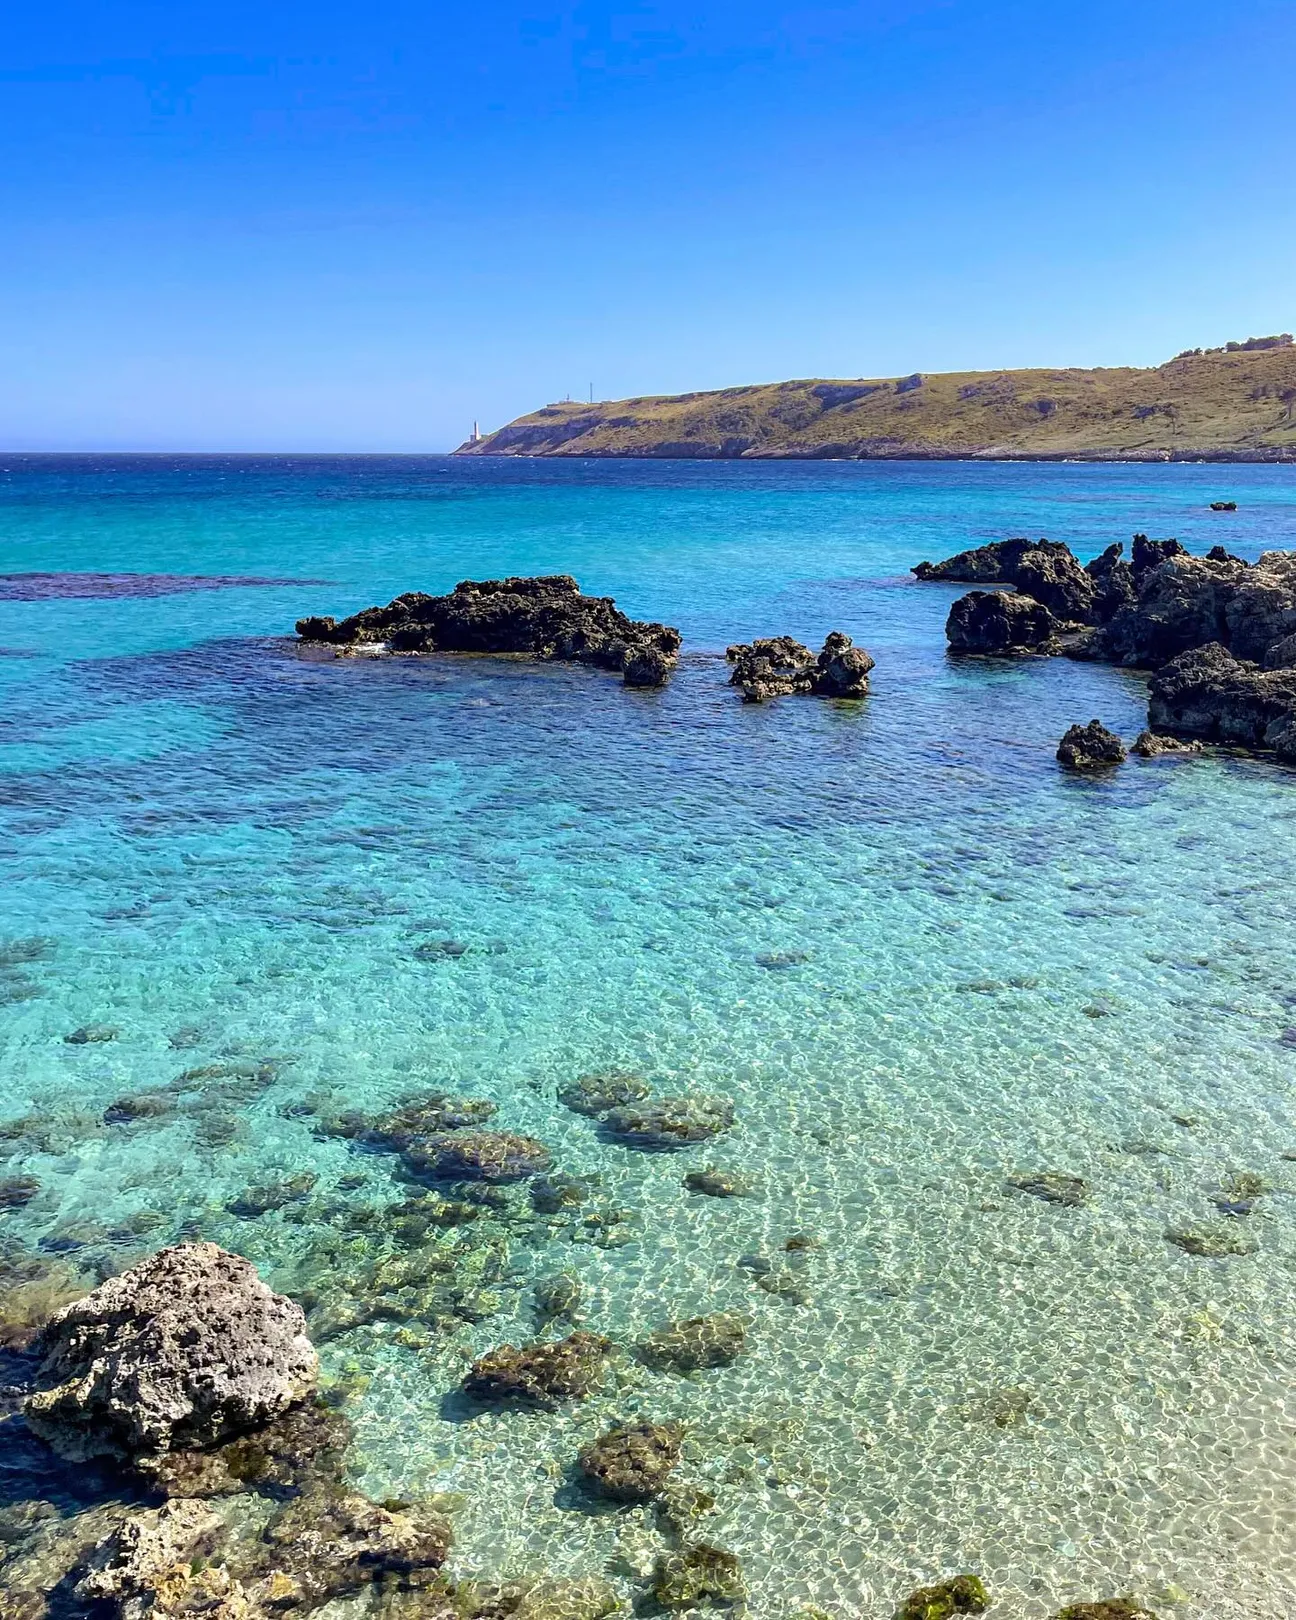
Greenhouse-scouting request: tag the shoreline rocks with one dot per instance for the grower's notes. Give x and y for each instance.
(1002, 623)
(778, 666)
(546, 618)
(1210, 695)
(188, 1348)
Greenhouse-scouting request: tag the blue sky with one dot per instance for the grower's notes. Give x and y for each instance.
(361, 226)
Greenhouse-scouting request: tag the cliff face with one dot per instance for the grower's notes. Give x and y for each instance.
(1237, 404)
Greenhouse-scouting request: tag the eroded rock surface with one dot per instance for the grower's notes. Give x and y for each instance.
(1210, 694)
(189, 1348)
(1091, 747)
(1001, 622)
(778, 666)
(539, 1374)
(632, 1463)
(545, 618)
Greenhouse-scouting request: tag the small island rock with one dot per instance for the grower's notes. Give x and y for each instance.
(778, 666)
(1091, 747)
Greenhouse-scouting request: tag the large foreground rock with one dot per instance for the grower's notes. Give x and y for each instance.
(778, 666)
(189, 1348)
(1209, 694)
(546, 618)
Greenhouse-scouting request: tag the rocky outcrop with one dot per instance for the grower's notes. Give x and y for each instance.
(1001, 622)
(992, 564)
(545, 618)
(189, 1348)
(963, 1594)
(631, 1464)
(696, 1343)
(493, 1156)
(1209, 694)
(1043, 569)
(1091, 747)
(1148, 745)
(778, 666)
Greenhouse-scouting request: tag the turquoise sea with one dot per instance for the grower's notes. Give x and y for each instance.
(918, 957)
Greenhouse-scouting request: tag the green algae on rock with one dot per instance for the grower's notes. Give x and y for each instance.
(539, 1374)
(694, 1344)
(698, 1573)
(632, 1463)
(1106, 1609)
(962, 1594)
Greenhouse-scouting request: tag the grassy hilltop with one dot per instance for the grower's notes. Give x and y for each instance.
(1236, 403)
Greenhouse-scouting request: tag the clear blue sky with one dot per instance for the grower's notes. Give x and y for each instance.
(227, 225)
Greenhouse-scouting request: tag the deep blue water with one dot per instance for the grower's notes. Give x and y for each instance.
(231, 853)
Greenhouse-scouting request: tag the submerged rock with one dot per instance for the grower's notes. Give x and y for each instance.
(1091, 747)
(330, 1542)
(1209, 694)
(1054, 1187)
(149, 1561)
(558, 1296)
(492, 1156)
(718, 1183)
(1001, 623)
(543, 1597)
(631, 1464)
(540, 1374)
(421, 1116)
(253, 1202)
(696, 1343)
(963, 1594)
(305, 1444)
(697, 1574)
(1106, 1609)
(1212, 1242)
(595, 1094)
(778, 666)
(89, 1034)
(189, 1348)
(545, 618)
(17, 1191)
(671, 1122)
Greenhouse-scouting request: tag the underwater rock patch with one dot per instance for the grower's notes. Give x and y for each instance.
(544, 617)
(714, 1183)
(90, 1034)
(670, 1122)
(150, 1559)
(1212, 1242)
(491, 1156)
(304, 1445)
(696, 1574)
(595, 1094)
(421, 1116)
(556, 1297)
(632, 1463)
(539, 1374)
(778, 666)
(1106, 1609)
(962, 1594)
(330, 1542)
(18, 1191)
(253, 1202)
(1053, 1187)
(187, 1348)
(542, 1597)
(694, 1344)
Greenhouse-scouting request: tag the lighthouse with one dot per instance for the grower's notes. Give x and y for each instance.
(476, 436)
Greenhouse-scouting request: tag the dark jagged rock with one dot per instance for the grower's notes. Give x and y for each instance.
(1113, 582)
(1282, 654)
(1182, 602)
(423, 1116)
(1001, 622)
(631, 1464)
(670, 1122)
(189, 1348)
(1209, 694)
(597, 1093)
(1148, 554)
(963, 1594)
(1046, 570)
(695, 1574)
(696, 1343)
(1151, 746)
(1054, 1187)
(493, 1156)
(89, 1034)
(718, 1183)
(1091, 747)
(1223, 506)
(992, 564)
(545, 618)
(778, 666)
(539, 1374)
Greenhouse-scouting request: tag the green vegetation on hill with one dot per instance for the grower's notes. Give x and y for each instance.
(1236, 403)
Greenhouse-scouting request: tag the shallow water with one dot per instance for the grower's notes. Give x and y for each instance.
(984, 967)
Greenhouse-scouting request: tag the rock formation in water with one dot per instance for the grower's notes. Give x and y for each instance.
(631, 1464)
(1219, 632)
(963, 1594)
(545, 618)
(779, 666)
(187, 1348)
(1091, 747)
(539, 1374)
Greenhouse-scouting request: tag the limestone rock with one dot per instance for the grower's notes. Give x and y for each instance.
(189, 1348)
(540, 1374)
(778, 666)
(148, 1560)
(631, 1464)
(1209, 694)
(695, 1343)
